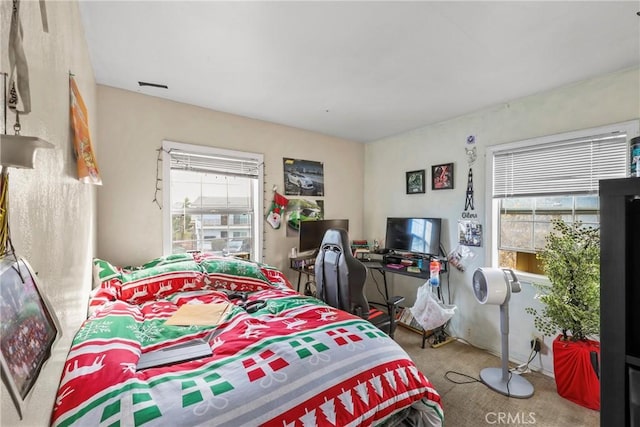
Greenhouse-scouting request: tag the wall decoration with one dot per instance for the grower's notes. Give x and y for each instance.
(18, 150)
(20, 99)
(29, 329)
(303, 177)
(470, 233)
(415, 182)
(302, 210)
(472, 155)
(468, 203)
(83, 150)
(276, 211)
(442, 177)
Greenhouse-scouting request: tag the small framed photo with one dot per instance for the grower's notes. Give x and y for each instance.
(442, 177)
(415, 182)
(29, 329)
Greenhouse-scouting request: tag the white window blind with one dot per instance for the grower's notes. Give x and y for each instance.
(227, 165)
(572, 166)
(212, 199)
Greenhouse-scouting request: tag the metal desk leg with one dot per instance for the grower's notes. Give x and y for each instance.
(384, 278)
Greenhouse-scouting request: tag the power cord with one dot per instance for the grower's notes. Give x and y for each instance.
(470, 381)
(378, 287)
(524, 367)
(518, 370)
(468, 343)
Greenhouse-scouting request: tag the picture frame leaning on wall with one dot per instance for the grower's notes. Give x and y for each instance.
(29, 329)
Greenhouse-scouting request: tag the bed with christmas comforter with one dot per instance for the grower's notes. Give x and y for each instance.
(278, 358)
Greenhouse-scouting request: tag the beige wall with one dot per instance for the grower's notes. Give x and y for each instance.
(599, 101)
(52, 215)
(132, 128)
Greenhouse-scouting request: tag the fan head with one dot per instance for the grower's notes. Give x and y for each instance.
(492, 286)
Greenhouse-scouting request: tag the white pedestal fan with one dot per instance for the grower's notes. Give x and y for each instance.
(494, 286)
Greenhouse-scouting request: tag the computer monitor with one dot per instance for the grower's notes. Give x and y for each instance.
(415, 235)
(312, 232)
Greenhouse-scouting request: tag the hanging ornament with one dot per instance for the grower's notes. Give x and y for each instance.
(274, 216)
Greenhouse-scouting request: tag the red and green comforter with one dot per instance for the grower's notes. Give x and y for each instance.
(294, 362)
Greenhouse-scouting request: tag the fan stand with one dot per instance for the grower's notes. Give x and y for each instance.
(500, 379)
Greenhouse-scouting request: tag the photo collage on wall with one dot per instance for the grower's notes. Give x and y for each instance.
(470, 233)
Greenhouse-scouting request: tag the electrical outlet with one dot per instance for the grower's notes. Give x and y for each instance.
(537, 344)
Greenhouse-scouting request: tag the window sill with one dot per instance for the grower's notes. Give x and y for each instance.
(530, 279)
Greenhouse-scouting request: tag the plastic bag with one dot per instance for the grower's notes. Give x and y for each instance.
(428, 311)
(460, 257)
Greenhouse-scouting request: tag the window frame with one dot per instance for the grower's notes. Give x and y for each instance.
(167, 146)
(492, 206)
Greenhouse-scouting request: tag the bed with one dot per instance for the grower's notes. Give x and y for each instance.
(279, 358)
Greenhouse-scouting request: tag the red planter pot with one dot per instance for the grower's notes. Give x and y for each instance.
(576, 378)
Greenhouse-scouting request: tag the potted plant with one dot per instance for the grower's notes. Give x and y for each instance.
(571, 262)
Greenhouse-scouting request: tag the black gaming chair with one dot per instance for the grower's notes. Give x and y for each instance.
(340, 280)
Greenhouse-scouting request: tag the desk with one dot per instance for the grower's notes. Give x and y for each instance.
(305, 265)
(381, 266)
(383, 269)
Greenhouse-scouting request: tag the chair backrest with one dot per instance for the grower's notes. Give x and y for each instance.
(340, 277)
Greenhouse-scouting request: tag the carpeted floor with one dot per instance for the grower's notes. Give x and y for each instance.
(475, 404)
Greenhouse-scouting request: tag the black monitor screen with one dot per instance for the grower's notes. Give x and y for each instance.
(417, 235)
(312, 232)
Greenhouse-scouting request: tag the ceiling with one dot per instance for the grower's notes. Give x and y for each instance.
(361, 70)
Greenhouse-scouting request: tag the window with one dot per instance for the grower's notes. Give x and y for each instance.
(554, 177)
(212, 200)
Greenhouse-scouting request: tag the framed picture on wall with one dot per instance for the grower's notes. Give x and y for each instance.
(442, 177)
(29, 329)
(299, 210)
(303, 177)
(415, 182)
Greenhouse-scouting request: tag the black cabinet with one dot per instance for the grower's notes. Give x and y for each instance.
(619, 301)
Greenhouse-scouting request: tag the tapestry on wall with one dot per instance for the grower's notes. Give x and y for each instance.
(82, 148)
